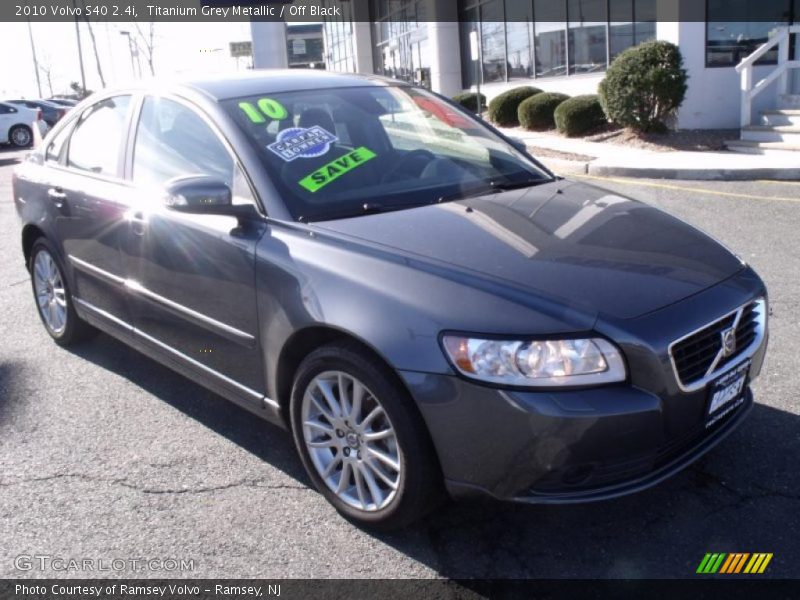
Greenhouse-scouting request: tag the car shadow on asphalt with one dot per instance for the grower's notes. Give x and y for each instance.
(11, 156)
(268, 442)
(733, 499)
(10, 399)
(741, 496)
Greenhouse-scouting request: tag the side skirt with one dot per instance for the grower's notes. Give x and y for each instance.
(250, 400)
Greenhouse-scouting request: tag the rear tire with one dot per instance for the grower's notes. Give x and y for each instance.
(53, 299)
(362, 440)
(20, 136)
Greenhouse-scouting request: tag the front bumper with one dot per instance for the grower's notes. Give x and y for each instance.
(581, 445)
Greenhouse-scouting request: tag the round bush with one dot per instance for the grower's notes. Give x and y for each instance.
(503, 107)
(469, 100)
(644, 86)
(536, 113)
(580, 115)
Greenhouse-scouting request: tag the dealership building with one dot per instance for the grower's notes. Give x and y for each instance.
(562, 46)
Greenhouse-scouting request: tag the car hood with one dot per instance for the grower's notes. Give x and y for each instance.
(566, 242)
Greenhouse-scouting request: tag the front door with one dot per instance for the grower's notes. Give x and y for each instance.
(89, 197)
(192, 277)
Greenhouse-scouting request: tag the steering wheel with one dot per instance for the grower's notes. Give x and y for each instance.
(405, 164)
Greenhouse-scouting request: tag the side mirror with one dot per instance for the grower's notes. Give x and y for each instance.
(198, 194)
(204, 195)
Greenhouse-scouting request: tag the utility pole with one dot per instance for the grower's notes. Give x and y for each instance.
(35, 61)
(80, 50)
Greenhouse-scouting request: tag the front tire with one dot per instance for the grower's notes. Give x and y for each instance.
(52, 296)
(20, 136)
(361, 439)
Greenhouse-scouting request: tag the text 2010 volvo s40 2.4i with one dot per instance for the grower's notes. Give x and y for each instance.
(425, 306)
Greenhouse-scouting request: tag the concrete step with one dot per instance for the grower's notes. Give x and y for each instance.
(789, 134)
(789, 101)
(781, 118)
(766, 148)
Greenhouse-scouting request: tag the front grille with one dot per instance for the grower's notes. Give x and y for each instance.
(696, 354)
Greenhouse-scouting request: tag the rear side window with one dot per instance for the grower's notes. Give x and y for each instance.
(96, 142)
(5, 109)
(173, 140)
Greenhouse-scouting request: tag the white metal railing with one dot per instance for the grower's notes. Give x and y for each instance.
(751, 89)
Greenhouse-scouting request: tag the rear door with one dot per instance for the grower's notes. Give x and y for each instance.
(84, 185)
(192, 276)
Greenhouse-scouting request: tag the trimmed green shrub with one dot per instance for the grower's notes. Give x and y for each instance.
(580, 115)
(644, 86)
(469, 100)
(503, 107)
(536, 113)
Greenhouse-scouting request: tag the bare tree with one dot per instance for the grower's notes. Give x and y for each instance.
(147, 41)
(46, 69)
(94, 47)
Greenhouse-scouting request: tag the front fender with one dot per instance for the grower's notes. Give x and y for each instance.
(393, 303)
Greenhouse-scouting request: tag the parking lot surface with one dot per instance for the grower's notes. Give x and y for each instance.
(105, 454)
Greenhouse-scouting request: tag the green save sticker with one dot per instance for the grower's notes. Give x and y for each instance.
(336, 168)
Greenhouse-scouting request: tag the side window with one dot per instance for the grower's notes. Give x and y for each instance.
(53, 152)
(172, 140)
(97, 139)
(4, 110)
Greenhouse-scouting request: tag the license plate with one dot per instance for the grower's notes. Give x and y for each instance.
(726, 393)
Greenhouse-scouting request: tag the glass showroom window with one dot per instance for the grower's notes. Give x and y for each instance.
(493, 41)
(339, 39)
(631, 22)
(519, 30)
(736, 28)
(588, 52)
(399, 37)
(550, 50)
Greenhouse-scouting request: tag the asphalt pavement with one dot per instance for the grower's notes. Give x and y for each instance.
(105, 454)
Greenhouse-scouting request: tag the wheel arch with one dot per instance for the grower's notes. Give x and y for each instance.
(30, 233)
(304, 341)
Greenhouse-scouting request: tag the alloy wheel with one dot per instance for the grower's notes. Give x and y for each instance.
(51, 297)
(351, 441)
(21, 137)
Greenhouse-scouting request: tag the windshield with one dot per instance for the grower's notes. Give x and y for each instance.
(342, 152)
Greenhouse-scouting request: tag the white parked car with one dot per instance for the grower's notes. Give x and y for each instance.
(17, 122)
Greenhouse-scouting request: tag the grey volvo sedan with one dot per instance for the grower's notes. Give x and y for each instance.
(427, 308)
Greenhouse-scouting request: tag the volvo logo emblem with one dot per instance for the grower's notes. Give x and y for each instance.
(728, 342)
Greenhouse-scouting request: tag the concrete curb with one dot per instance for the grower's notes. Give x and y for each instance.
(712, 174)
(595, 168)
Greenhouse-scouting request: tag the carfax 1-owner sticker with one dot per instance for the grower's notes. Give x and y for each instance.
(298, 142)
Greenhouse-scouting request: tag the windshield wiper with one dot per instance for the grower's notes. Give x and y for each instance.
(494, 186)
(359, 211)
(516, 185)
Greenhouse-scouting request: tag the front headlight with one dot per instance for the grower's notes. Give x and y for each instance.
(536, 363)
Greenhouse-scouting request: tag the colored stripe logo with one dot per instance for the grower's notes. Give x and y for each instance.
(734, 563)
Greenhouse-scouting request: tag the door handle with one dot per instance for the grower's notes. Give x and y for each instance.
(57, 195)
(138, 223)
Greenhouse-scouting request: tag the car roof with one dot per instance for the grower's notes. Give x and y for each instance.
(273, 81)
